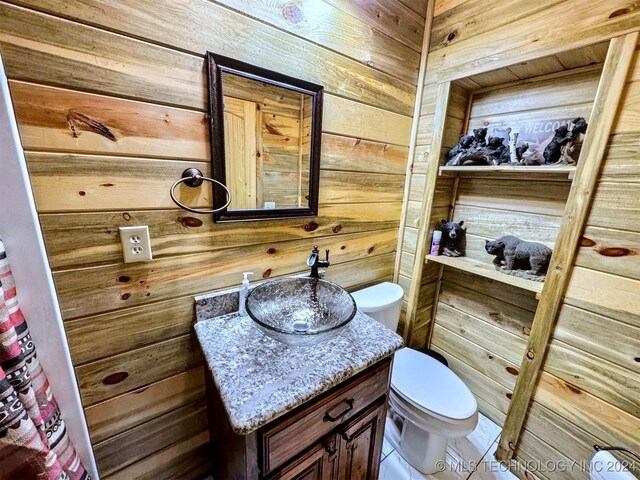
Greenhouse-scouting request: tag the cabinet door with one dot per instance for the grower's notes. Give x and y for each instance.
(319, 463)
(361, 444)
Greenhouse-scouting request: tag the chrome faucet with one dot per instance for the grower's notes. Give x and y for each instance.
(315, 263)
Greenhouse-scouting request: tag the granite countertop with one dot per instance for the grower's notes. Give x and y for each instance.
(260, 379)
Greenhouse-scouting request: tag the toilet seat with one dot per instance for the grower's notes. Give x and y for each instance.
(431, 388)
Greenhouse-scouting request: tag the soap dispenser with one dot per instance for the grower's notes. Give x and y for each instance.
(244, 291)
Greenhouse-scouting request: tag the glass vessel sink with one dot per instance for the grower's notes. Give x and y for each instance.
(300, 311)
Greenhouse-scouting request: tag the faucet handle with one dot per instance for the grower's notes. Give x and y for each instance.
(327, 255)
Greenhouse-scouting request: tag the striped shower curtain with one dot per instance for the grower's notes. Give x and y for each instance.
(34, 443)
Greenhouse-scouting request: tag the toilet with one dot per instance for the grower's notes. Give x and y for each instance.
(604, 466)
(428, 403)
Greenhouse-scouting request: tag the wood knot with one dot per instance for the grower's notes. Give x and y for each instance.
(573, 388)
(267, 273)
(370, 250)
(512, 371)
(490, 357)
(615, 251)
(512, 446)
(271, 251)
(619, 12)
(586, 242)
(452, 35)
(125, 296)
(126, 216)
(123, 278)
(190, 222)
(82, 193)
(343, 247)
(509, 395)
(357, 142)
(530, 355)
(637, 359)
(310, 227)
(337, 228)
(107, 185)
(79, 121)
(115, 378)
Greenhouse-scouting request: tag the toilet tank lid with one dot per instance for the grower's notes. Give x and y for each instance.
(431, 386)
(378, 297)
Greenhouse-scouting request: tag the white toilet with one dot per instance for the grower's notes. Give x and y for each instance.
(604, 466)
(428, 403)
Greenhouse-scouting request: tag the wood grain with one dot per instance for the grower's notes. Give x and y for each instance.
(615, 293)
(594, 333)
(188, 458)
(356, 155)
(116, 107)
(130, 68)
(150, 437)
(128, 371)
(506, 46)
(177, 232)
(328, 25)
(128, 285)
(99, 336)
(57, 119)
(608, 381)
(426, 218)
(487, 362)
(601, 419)
(611, 251)
(85, 183)
(605, 108)
(121, 413)
(387, 17)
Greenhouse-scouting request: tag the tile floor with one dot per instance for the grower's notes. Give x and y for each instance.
(468, 458)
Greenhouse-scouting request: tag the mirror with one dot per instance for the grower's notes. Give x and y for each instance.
(265, 141)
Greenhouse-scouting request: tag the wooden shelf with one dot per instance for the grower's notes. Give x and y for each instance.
(523, 169)
(486, 270)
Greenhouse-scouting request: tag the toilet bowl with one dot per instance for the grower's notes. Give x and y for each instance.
(428, 403)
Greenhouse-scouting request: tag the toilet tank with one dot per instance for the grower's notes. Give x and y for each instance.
(381, 302)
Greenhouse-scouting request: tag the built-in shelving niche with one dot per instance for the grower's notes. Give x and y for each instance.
(493, 328)
(533, 98)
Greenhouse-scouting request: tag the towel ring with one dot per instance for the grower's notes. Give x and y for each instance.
(192, 177)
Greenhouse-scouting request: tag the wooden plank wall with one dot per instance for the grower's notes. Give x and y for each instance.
(591, 382)
(588, 391)
(111, 104)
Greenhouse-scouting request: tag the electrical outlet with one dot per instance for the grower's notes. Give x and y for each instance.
(136, 244)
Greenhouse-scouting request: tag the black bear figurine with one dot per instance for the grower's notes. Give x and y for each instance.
(454, 236)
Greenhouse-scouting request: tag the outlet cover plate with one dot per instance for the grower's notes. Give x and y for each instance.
(136, 244)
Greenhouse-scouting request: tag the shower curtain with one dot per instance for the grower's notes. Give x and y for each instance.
(34, 443)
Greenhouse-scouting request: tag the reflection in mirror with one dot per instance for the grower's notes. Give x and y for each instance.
(265, 141)
(267, 144)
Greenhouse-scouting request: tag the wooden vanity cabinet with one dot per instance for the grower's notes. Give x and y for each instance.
(336, 436)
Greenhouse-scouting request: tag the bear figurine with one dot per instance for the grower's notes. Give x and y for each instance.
(454, 235)
(513, 253)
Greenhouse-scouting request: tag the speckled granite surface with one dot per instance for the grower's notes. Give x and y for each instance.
(260, 379)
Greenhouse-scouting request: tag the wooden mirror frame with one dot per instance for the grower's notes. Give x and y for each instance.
(216, 66)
